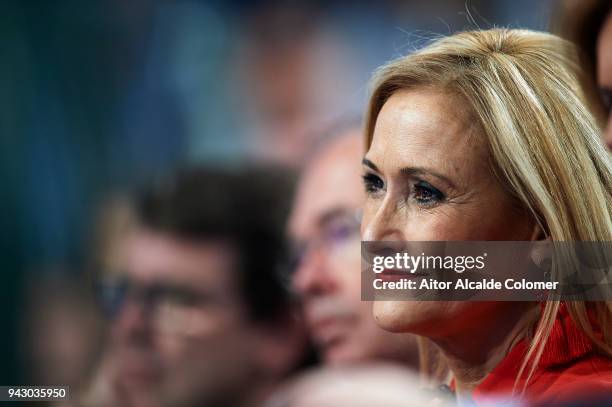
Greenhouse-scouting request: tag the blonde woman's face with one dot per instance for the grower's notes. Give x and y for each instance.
(427, 178)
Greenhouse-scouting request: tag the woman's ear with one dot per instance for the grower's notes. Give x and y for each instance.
(540, 251)
(537, 233)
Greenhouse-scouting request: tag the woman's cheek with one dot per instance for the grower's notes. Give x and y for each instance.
(436, 225)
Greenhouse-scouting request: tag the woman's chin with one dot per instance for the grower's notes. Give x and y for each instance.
(416, 317)
(394, 316)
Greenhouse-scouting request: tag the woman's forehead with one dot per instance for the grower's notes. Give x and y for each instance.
(425, 128)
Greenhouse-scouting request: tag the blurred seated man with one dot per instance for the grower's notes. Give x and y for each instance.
(200, 317)
(324, 227)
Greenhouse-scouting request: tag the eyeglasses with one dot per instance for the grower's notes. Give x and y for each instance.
(168, 308)
(336, 231)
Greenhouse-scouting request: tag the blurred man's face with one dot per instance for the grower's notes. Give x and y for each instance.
(182, 336)
(324, 227)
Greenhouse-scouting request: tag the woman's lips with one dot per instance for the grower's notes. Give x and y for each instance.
(398, 274)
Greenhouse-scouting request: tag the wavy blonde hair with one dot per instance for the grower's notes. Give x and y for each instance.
(523, 88)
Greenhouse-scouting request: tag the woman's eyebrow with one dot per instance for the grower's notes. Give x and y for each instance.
(370, 164)
(413, 171)
(420, 171)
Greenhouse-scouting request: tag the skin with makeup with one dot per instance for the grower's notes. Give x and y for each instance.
(426, 179)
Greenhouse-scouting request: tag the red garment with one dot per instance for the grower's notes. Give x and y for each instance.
(569, 370)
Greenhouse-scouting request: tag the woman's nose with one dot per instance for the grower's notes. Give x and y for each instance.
(383, 222)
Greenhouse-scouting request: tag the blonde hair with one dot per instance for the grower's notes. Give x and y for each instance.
(523, 89)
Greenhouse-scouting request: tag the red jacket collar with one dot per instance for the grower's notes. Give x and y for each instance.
(565, 344)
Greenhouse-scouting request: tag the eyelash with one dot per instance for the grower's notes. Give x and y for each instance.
(372, 183)
(425, 194)
(422, 192)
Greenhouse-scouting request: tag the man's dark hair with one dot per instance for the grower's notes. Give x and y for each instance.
(246, 207)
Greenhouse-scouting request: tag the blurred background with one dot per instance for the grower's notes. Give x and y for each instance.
(99, 96)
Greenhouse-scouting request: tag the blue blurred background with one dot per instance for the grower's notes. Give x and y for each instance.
(98, 96)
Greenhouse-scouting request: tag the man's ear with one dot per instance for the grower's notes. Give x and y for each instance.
(282, 344)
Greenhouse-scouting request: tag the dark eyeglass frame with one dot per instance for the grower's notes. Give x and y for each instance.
(338, 229)
(112, 294)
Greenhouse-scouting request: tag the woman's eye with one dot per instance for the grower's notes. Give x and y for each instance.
(424, 193)
(373, 183)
